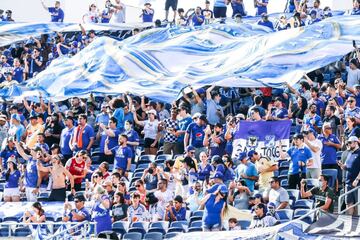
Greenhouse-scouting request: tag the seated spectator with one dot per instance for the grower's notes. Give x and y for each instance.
(150, 177)
(261, 219)
(121, 188)
(163, 195)
(141, 190)
(193, 201)
(265, 21)
(198, 19)
(120, 208)
(77, 214)
(37, 217)
(240, 192)
(107, 185)
(176, 212)
(233, 224)
(101, 210)
(278, 195)
(324, 195)
(136, 211)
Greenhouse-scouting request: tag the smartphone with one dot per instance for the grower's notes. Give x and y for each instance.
(354, 44)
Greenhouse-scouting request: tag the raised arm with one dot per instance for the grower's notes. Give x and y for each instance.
(208, 92)
(26, 105)
(21, 151)
(44, 6)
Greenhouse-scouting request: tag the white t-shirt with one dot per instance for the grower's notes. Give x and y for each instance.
(119, 15)
(278, 196)
(151, 129)
(316, 155)
(353, 76)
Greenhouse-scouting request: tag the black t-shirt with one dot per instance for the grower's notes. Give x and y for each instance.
(320, 197)
(119, 212)
(53, 129)
(77, 111)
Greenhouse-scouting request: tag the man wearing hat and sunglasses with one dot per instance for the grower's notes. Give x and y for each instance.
(79, 213)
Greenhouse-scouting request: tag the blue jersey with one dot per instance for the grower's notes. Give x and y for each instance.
(133, 136)
(65, 140)
(122, 155)
(57, 15)
(196, 21)
(84, 212)
(328, 153)
(6, 153)
(147, 16)
(101, 216)
(204, 172)
(297, 155)
(261, 9)
(219, 3)
(19, 74)
(113, 141)
(13, 180)
(197, 135)
(180, 215)
(87, 134)
(119, 115)
(212, 211)
(31, 174)
(183, 125)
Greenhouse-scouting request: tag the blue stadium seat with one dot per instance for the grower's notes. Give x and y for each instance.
(284, 183)
(160, 224)
(198, 213)
(140, 169)
(164, 157)
(284, 164)
(301, 212)
(140, 230)
(194, 218)
(338, 155)
(142, 165)
(332, 174)
(284, 173)
(132, 236)
(138, 174)
(197, 224)
(4, 231)
(120, 227)
(176, 229)
(153, 236)
(244, 224)
(108, 235)
(10, 219)
(22, 232)
(310, 183)
(171, 235)
(96, 159)
(146, 159)
(179, 224)
(157, 230)
(140, 224)
(304, 203)
(284, 214)
(95, 153)
(195, 229)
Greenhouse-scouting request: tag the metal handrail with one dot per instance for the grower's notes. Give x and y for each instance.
(343, 195)
(83, 224)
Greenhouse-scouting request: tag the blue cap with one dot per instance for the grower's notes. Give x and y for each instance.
(16, 117)
(190, 148)
(251, 153)
(313, 12)
(242, 156)
(218, 175)
(223, 189)
(200, 91)
(258, 195)
(74, 43)
(271, 205)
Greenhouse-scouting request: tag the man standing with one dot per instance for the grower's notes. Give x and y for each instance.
(65, 138)
(315, 147)
(261, 6)
(313, 120)
(195, 134)
(330, 146)
(214, 112)
(122, 153)
(119, 13)
(32, 131)
(300, 157)
(277, 113)
(183, 123)
(330, 118)
(164, 196)
(57, 14)
(173, 4)
(170, 127)
(265, 168)
(352, 175)
(111, 134)
(198, 19)
(247, 171)
(80, 213)
(83, 135)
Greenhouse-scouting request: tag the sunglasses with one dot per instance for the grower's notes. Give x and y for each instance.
(192, 152)
(76, 201)
(351, 101)
(95, 176)
(137, 186)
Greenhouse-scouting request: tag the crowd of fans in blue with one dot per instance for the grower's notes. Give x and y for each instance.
(154, 168)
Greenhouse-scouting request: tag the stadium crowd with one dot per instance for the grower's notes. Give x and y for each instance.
(147, 166)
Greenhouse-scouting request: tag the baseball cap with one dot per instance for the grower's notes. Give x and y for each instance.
(298, 136)
(271, 205)
(353, 139)
(218, 175)
(12, 159)
(258, 195)
(313, 12)
(242, 156)
(201, 91)
(251, 153)
(223, 189)
(16, 117)
(196, 115)
(190, 148)
(75, 43)
(54, 146)
(152, 111)
(80, 198)
(203, 117)
(3, 118)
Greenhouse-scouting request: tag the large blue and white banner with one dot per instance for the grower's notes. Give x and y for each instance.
(160, 62)
(265, 137)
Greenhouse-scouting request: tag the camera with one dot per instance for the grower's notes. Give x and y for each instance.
(108, 4)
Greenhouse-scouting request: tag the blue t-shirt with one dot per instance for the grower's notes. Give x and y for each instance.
(87, 134)
(308, 121)
(6, 153)
(249, 170)
(204, 173)
(31, 173)
(261, 9)
(64, 141)
(105, 13)
(57, 15)
(238, 8)
(133, 136)
(217, 148)
(281, 113)
(18, 74)
(197, 135)
(84, 212)
(119, 115)
(102, 118)
(13, 180)
(328, 153)
(215, 187)
(320, 105)
(147, 17)
(212, 211)
(296, 155)
(183, 125)
(180, 215)
(196, 21)
(101, 216)
(122, 155)
(352, 164)
(113, 141)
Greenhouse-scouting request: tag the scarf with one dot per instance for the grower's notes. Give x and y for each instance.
(78, 132)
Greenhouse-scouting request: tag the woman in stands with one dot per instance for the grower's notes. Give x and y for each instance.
(37, 217)
(151, 131)
(12, 176)
(58, 174)
(141, 190)
(215, 208)
(119, 209)
(76, 167)
(121, 188)
(205, 168)
(101, 210)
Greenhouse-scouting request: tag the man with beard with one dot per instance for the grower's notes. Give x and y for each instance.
(215, 140)
(276, 111)
(122, 153)
(214, 112)
(312, 119)
(332, 119)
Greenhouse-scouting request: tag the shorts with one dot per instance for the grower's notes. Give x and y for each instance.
(11, 192)
(58, 195)
(148, 142)
(220, 12)
(211, 228)
(171, 3)
(351, 198)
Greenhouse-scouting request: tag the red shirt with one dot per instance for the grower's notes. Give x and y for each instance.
(76, 169)
(267, 91)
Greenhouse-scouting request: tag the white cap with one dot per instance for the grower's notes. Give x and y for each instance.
(353, 139)
(152, 111)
